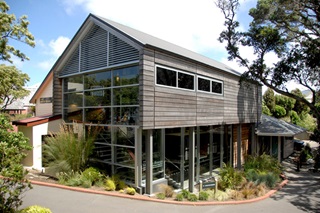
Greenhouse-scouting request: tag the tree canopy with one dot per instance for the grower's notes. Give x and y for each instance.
(288, 28)
(12, 84)
(13, 29)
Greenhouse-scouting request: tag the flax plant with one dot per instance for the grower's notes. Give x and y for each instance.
(69, 149)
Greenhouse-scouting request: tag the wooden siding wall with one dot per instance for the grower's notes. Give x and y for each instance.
(245, 134)
(57, 94)
(163, 107)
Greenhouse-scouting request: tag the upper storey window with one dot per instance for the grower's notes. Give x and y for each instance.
(174, 78)
(210, 85)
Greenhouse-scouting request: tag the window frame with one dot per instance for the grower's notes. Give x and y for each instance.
(211, 80)
(177, 71)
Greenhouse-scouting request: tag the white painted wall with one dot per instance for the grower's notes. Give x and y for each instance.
(46, 108)
(38, 132)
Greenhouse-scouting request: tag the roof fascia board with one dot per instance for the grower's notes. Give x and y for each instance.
(41, 87)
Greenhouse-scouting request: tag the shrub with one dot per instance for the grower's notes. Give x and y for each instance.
(110, 185)
(279, 111)
(92, 174)
(167, 190)
(248, 193)
(271, 180)
(179, 197)
(230, 178)
(262, 163)
(13, 147)
(130, 191)
(36, 209)
(69, 149)
(261, 190)
(192, 197)
(161, 196)
(203, 195)
(185, 193)
(221, 195)
(120, 184)
(252, 175)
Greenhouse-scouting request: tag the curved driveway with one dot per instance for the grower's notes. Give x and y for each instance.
(301, 194)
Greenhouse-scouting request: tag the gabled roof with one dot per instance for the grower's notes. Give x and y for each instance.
(136, 36)
(149, 40)
(270, 126)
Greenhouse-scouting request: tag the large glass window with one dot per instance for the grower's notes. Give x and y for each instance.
(73, 84)
(97, 97)
(98, 115)
(126, 96)
(125, 115)
(126, 76)
(98, 80)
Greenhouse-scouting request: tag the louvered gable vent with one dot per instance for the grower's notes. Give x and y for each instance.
(72, 66)
(120, 51)
(94, 49)
(94, 52)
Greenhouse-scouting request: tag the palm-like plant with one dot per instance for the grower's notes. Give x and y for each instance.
(69, 149)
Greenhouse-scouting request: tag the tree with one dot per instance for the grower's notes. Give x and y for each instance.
(288, 28)
(14, 29)
(12, 82)
(286, 102)
(13, 147)
(269, 99)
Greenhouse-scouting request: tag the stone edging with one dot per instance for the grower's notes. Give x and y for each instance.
(145, 198)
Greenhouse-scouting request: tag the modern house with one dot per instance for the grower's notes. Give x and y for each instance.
(165, 113)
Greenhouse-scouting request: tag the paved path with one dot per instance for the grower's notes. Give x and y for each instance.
(301, 194)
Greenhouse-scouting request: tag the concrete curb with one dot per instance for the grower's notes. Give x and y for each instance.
(145, 198)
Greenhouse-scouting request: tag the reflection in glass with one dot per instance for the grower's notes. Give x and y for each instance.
(166, 77)
(98, 115)
(98, 97)
(73, 100)
(126, 76)
(126, 96)
(98, 80)
(73, 84)
(126, 115)
(73, 115)
(185, 81)
(216, 87)
(204, 84)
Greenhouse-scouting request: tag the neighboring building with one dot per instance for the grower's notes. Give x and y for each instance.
(166, 113)
(275, 137)
(42, 98)
(22, 105)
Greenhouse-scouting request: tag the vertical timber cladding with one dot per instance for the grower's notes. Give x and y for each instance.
(245, 135)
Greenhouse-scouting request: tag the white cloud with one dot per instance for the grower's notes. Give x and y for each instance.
(188, 23)
(54, 49)
(57, 46)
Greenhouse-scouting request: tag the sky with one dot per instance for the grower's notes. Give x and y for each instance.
(192, 24)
